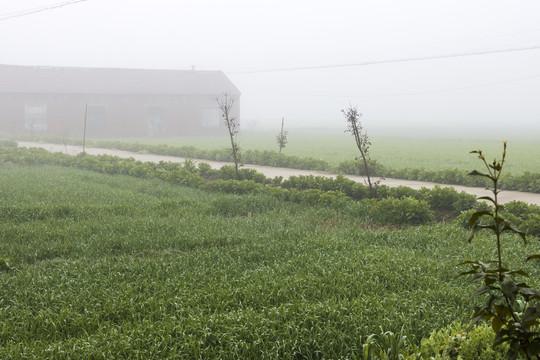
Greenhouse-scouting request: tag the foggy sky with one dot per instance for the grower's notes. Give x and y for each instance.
(240, 36)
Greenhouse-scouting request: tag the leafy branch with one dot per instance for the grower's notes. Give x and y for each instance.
(512, 307)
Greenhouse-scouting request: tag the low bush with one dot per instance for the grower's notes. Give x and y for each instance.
(528, 182)
(454, 342)
(407, 210)
(234, 186)
(8, 143)
(447, 201)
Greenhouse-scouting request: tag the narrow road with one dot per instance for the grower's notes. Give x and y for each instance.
(271, 172)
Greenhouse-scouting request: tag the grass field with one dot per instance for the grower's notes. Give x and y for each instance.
(391, 152)
(118, 267)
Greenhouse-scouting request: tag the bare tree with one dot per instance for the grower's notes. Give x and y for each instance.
(225, 104)
(282, 137)
(354, 126)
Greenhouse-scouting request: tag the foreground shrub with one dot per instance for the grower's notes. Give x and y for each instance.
(512, 307)
(455, 342)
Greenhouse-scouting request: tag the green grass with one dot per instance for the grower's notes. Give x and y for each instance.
(118, 267)
(392, 152)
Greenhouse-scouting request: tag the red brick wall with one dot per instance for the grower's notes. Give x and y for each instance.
(125, 115)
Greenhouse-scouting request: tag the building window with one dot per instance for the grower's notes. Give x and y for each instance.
(211, 117)
(155, 120)
(96, 120)
(35, 117)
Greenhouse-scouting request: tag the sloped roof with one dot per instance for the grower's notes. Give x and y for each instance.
(65, 80)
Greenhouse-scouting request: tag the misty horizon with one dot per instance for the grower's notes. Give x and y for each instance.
(417, 65)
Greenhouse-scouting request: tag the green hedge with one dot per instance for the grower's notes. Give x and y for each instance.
(390, 206)
(527, 182)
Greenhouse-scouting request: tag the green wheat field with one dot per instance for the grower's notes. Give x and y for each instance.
(440, 153)
(104, 267)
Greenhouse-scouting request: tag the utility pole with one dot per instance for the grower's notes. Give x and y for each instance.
(84, 132)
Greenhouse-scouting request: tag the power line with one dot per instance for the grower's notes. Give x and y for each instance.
(38, 9)
(426, 92)
(391, 61)
(451, 89)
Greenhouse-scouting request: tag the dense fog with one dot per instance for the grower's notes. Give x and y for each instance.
(406, 65)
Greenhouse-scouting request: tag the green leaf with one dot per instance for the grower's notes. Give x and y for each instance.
(474, 217)
(478, 276)
(519, 272)
(470, 272)
(534, 346)
(477, 173)
(496, 324)
(529, 316)
(487, 198)
(535, 256)
(502, 311)
(467, 262)
(528, 292)
(479, 317)
(482, 290)
(477, 227)
(490, 227)
(485, 265)
(500, 337)
(509, 288)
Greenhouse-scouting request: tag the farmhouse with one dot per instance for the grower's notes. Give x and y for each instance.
(112, 102)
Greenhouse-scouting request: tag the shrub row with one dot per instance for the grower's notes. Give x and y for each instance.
(204, 177)
(257, 157)
(528, 182)
(448, 176)
(386, 206)
(446, 202)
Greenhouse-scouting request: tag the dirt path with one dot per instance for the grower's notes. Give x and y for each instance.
(271, 172)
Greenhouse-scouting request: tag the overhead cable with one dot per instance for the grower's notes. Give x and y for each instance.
(390, 61)
(38, 9)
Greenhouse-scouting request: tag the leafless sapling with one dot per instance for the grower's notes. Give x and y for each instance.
(282, 137)
(225, 105)
(354, 126)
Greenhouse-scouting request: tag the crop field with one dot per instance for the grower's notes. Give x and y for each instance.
(118, 267)
(391, 152)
